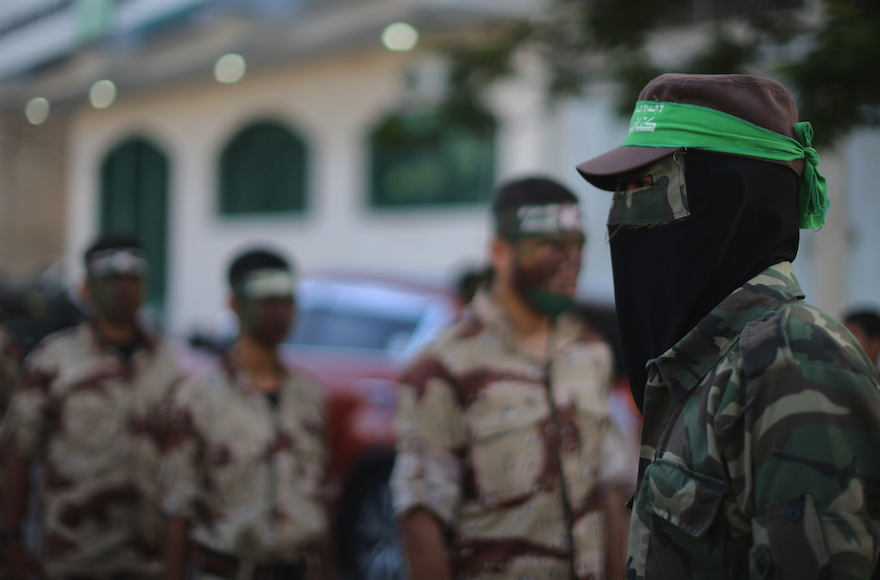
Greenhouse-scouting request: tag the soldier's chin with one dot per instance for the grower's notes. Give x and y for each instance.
(565, 288)
(121, 317)
(271, 338)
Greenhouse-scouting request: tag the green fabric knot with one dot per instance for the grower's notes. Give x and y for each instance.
(682, 125)
(813, 199)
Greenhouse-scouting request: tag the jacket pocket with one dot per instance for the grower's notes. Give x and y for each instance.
(509, 444)
(798, 547)
(680, 508)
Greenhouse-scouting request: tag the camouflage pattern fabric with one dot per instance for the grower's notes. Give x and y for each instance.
(480, 446)
(246, 474)
(760, 446)
(91, 417)
(662, 202)
(9, 368)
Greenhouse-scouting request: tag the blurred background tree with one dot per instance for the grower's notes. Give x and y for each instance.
(828, 54)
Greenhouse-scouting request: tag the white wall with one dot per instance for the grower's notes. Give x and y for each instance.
(863, 233)
(333, 103)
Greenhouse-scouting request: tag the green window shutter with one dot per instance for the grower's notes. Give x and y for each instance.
(134, 199)
(263, 170)
(445, 156)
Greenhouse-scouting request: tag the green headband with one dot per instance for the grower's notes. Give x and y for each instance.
(661, 124)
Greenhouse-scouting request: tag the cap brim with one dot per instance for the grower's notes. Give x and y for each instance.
(602, 171)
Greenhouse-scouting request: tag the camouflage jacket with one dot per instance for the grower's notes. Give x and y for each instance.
(246, 473)
(9, 368)
(480, 446)
(760, 446)
(91, 416)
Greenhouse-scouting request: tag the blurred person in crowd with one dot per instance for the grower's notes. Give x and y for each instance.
(865, 326)
(9, 368)
(507, 465)
(10, 363)
(761, 415)
(245, 451)
(469, 281)
(87, 407)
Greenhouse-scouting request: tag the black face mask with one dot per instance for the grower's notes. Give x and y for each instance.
(743, 219)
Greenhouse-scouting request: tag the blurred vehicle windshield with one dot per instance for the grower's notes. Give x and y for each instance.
(379, 317)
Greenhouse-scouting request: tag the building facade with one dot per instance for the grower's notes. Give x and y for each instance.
(330, 145)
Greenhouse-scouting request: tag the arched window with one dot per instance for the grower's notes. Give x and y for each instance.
(263, 170)
(134, 199)
(444, 156)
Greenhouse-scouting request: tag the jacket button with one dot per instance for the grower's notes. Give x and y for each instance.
(761, 565)
(761, 562)
(794, 513)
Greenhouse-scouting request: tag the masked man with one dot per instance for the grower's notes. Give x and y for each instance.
(88, 407)
(245, 454)
(504, 441)
(761, 426)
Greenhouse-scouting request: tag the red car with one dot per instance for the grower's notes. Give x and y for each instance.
(355, 333)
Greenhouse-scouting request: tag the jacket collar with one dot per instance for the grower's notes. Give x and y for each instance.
(237, 375)
(146, 341)
(565, 330)
(683, 366)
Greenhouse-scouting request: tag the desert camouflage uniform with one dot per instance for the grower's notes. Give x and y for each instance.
(91, 417)
(9, 365)
(760, 446)
(479, 445)
(245, 473)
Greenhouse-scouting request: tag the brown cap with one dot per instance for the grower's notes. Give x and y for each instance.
(760, 101)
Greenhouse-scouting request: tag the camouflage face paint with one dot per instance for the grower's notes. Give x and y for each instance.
(117, 298)
(266, 320)
(662, 202)
(546, 269)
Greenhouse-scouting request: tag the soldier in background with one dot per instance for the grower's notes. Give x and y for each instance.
(9, 368)
(761, 414)
(865, 326)
(505, 444)
(87, 407)
(245, 453)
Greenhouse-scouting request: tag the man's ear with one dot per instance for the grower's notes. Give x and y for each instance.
(500, 253)
(85, 293)
(874, 345)
(234, 303)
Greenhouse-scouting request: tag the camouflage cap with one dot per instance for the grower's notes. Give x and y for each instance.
(762, 102)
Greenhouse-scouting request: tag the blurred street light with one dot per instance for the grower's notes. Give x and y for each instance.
(102, 94)
(230, 68)
(400, 36)
(37, 111)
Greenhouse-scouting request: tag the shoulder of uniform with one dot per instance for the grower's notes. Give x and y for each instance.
(800, 334)
(467, 326)
(61, 338)
(203, 385)
(307, 383)
(429, 365)
(55, 345)
(588, 334)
